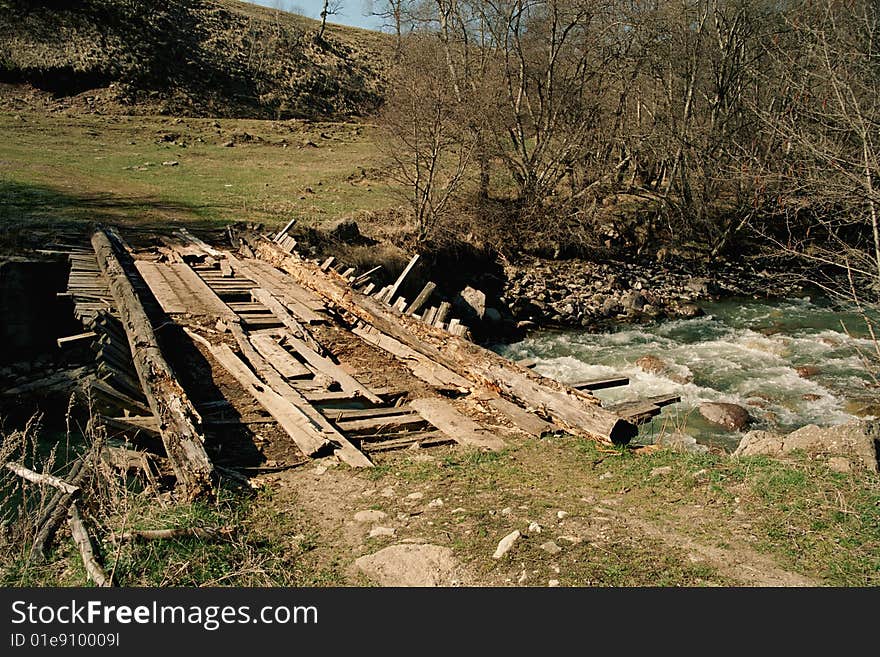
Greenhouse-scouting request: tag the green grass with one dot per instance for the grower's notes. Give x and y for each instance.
(56, 168)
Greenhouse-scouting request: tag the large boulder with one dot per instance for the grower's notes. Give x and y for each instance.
(473, 300)
(654, 365)
(410, 565)
(855, 441)
(732, 417)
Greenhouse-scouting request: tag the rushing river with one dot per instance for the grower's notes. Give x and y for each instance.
(790, 363)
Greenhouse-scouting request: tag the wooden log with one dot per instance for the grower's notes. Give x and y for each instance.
(56, 510)
(457, 426)
(422, 298)
(400, 279)
(42, 478)
(575, 411)
(167, 399)
(83, 541)
(519, 417)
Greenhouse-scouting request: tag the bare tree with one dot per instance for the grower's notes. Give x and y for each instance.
(329, 8)
(426, 138)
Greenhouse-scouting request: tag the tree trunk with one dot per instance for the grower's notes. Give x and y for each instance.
(167, 399)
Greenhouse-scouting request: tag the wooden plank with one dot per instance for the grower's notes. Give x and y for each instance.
(400, 304)
(454, 424)
(326, 264)
(429, 315)
(577, 411)
(400, 279)
(422, 439)
(369, 288)
(305, 433)
(382, 424)
(178, 289)
(338, 414)
(288, 366)
(226, 270)
(280, 310)
(422, 367)
(363, 278)
(601, 384)
(280, 235)
(326, 366)
(422, 298)
(442, 314)
(70, 339)
(347, 273)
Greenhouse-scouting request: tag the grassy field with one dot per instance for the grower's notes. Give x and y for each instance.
(605, 518)
(72, 169)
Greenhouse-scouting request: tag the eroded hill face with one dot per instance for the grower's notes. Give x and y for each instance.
(196, 57)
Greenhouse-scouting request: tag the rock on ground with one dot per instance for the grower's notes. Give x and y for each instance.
(732, 417)
(854, 440)
(506, 543)
(681, 442)
(410, 565)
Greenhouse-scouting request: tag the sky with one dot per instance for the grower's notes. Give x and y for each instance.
(351, 11)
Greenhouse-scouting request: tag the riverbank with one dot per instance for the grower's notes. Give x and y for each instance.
(595, 295)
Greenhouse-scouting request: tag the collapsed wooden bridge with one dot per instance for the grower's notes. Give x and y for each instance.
(283, 332)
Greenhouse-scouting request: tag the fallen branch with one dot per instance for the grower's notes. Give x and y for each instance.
(38, 478)
(84, 542)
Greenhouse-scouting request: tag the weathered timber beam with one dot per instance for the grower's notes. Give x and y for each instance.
(167, 399)
(575, 411)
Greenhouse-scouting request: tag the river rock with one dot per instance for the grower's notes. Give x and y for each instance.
(654, 365)
(732, 417)
(506, 543)
(474, 299)
(854, 440)
(689, 311)
(410, 565)
(681, 442)
(806, 371)
(344, 230)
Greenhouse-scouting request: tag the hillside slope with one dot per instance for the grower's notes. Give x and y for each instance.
(221, 58)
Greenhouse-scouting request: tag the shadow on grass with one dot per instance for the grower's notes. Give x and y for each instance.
(36, 216)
